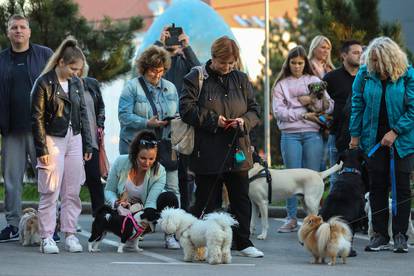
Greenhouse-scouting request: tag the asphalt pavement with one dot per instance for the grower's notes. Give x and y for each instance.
(283, 256)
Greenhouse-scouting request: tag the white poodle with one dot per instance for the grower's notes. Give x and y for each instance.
(213, 232)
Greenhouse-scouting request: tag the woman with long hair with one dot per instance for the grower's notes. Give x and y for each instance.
(383, 112)
(62, 140)
(320, 56)
(301, 142)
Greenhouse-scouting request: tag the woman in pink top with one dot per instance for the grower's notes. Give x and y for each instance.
(301, 143)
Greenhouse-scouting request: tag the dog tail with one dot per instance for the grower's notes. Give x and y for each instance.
(323, 235)
(331, 170)
(223, 219)
(341, 224)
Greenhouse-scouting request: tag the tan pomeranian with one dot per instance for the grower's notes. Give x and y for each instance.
(29, 228)
(325, 239)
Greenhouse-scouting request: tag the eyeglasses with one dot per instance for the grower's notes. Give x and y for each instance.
(149, 144)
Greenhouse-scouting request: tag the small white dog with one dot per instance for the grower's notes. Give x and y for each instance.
(29, 228)
(213, 232)
(410, 231)
(305, 183)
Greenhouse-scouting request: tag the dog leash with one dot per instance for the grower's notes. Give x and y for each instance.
(392, 176)
(213, 187)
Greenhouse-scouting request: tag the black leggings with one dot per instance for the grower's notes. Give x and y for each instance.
(380, 186)
(93, 181)
(237, 184)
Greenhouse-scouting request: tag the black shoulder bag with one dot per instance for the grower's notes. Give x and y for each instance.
(165, 153)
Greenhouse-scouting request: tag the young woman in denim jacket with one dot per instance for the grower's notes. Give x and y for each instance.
(383, 112)
(301, 142)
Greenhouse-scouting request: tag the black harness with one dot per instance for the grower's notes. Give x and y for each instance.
(264, 173)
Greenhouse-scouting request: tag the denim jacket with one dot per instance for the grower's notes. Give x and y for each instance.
(366, 103)
(153, 183)
(134, 109)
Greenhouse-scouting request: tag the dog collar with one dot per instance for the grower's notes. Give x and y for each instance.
(350, 170)
(138, 230)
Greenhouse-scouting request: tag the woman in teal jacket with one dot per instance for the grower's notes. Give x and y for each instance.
(143, 178)
(383, 112)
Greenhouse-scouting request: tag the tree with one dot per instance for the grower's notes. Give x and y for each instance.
(108, 48)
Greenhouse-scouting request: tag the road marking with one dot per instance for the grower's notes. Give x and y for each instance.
(358, 236)
(166, 260)
(159, 257)
(176, 263)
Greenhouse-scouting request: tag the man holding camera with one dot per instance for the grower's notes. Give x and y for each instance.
(177, 43)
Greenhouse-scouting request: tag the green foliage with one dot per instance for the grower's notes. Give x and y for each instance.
(108, 46)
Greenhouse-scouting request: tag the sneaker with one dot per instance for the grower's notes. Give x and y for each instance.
(48, 246)
(291, 225)
(171, 242)
(72, 244)
(9, 233)
(377, 243)
(251, 252)
(56, 237)
(400, 244)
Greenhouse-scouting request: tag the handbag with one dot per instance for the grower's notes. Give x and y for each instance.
(103, 159)
(166, 155)
(182, 134)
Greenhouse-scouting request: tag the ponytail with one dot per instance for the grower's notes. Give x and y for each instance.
(68, 50)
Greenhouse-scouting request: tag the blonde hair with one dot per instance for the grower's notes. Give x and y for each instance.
(391, 60)
(68, 51)
(316, 41)
(153, 57)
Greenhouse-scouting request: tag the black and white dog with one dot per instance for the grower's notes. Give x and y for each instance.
(346, 199)
(128, 228)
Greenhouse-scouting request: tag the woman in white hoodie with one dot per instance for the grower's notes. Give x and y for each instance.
(301, 143)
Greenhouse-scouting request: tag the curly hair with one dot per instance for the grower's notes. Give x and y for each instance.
(137, 145)
(391, 60)
(153, 57)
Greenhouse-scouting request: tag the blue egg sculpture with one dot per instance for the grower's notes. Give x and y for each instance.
(199, 21)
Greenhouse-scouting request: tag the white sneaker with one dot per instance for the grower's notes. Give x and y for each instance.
(251, 252)
(48, 246)
(72, 244)
(171, 242)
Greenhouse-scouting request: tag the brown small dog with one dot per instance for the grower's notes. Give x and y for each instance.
(29, 228)
(325, 239)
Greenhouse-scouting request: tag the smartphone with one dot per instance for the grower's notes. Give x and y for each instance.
(169, 118)
(175, 32)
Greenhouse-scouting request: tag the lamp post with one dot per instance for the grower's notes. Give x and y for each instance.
(266, 89)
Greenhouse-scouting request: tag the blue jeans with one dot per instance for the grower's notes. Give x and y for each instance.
(300, 150)
(333, 157)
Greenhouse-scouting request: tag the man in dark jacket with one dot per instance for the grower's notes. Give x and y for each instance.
(20, 65)
(340, 89)
(182, 60)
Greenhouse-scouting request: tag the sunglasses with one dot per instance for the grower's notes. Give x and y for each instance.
(148, 143)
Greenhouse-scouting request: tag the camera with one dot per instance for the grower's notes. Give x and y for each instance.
(175, 32)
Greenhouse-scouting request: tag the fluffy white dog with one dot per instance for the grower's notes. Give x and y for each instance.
(410, 231)
(305, 183)
(213, 232)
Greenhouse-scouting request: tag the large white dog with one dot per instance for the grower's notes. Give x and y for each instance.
(213, 232)
(305, 183)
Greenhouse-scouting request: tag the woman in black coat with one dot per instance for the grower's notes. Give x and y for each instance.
(222, 114)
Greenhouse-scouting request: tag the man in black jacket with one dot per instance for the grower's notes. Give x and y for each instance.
(182, 60)
(340, 89)
(20, 65)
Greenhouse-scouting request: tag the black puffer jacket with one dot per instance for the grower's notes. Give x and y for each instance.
(53, 109)
(232, 98)
(92, 85)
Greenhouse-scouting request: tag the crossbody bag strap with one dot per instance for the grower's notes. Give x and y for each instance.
(153, 107)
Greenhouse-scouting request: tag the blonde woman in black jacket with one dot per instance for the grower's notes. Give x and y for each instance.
(222, 114)
(62, 140)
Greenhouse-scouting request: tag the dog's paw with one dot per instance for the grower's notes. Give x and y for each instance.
(262, 236)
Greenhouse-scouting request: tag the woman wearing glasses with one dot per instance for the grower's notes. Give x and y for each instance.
(140, 174)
